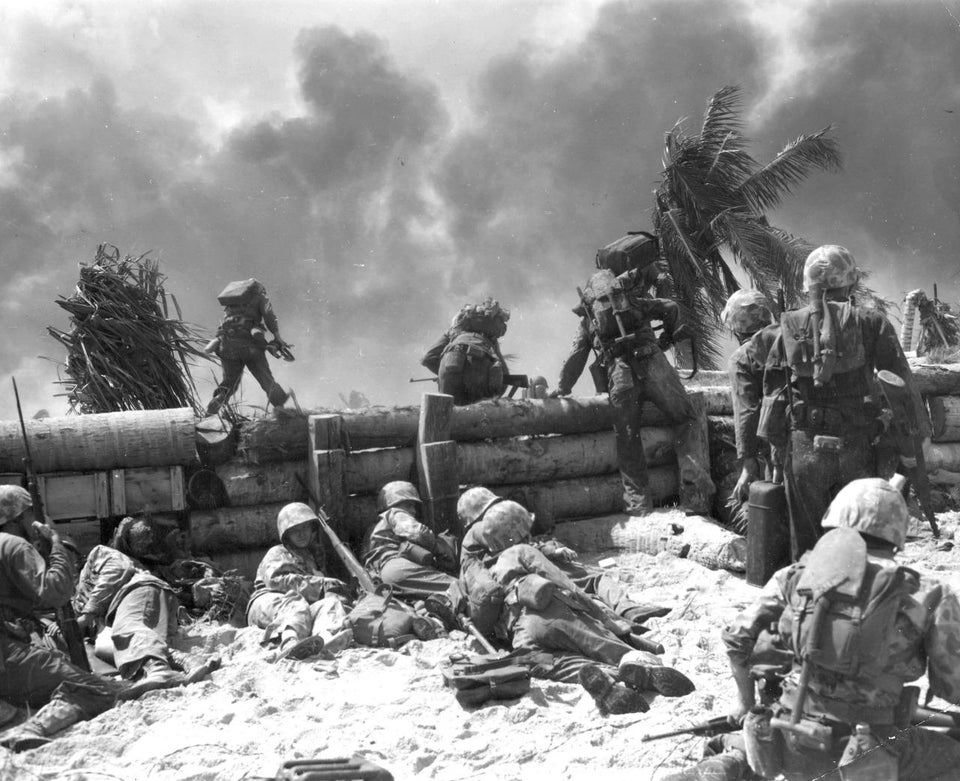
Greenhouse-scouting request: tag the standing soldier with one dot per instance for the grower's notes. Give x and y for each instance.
(818, 406)
(747, 315)
(241, 342)
(467, 358)
(631, 367)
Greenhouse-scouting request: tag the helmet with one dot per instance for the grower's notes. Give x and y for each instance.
(871, 506)
(828, 267)
(746, 312)
(506, 523)
(147, 538)
(487, 318)
(14, 499)
(393, 493)
(294, 514)
(473, 503)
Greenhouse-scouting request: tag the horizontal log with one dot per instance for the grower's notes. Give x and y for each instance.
(250, 484)
(284, 438)
(109, 440)
(501, 460)
(944, 418)
(244, 562)
(943, 455)
(945, 478)
(234, 528)
(936, 379)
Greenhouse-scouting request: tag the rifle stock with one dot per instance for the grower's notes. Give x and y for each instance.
(66, 617)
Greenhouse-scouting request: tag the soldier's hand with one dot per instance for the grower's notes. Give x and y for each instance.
(556, 393)
(45, 531)
(738, 714)
(749, 473)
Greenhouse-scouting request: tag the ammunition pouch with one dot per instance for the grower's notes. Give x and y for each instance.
(772, 424)
(535, 591)
(598, 372)
(417, 554)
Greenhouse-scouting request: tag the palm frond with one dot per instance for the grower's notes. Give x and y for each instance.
(766, 188)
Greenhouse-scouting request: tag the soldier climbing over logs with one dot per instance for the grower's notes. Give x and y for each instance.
(241, 342)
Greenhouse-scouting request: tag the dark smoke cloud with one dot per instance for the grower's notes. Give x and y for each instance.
(371, 216)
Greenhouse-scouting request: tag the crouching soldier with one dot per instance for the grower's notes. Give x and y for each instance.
(132, 612)
(300, 610)
(573, 637)
(408, 555)
(859, 627)
(30, 674)
(467, 358)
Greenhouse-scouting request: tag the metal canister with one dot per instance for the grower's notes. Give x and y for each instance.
(768, 531)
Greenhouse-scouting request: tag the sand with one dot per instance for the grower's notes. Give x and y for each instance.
(391, 706)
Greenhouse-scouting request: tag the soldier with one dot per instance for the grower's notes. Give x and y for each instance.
(747, 315)
(300, 609)
(137, 610)
(241, 342)
(544, 612)
(472, 507)
(411, 557)
(818, 407)
(467, 358)
(882, 626)
(631, 367)
(34, 675)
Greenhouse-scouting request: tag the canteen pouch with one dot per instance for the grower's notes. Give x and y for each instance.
(773, 416)
(535, 591)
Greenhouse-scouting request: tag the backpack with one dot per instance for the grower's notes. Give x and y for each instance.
(634, 251)
(855, 628)
(479, 678)
(379, 621)
(846, 339)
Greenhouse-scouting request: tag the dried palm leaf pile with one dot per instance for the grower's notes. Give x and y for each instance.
(124, 351)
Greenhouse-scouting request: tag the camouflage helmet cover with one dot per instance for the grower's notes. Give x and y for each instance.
(14, 499)
(506, 523)
(829, 266)
(871, 506)
(395, 492)
(293, 515)
(746, 312)
(487, 318)
(473, 503)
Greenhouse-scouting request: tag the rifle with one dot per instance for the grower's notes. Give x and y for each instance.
(365, 580)
(906, 432)
(66, 617)
(718, 725)
(683, 333)
(279, 349)
(423, 379)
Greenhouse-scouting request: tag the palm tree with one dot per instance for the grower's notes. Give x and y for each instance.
(709, 213)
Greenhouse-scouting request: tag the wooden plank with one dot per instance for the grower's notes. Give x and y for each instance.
(439, 486)
(147, 490)
(944, 418)
(435, 413)
(118, 493)
(84, 534)
(72, 495)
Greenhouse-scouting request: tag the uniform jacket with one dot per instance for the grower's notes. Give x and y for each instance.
(745, 368)
(106, 578)
(27, 582)
(642, 311)
(286, 569)
(395, 533)
(925, 638)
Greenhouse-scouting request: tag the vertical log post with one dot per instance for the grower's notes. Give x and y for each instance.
(437, 462)
(326, 466)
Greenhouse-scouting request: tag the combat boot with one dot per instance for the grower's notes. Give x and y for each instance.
(37, 730)
(653, 677)
(195, 668)
(610, 697)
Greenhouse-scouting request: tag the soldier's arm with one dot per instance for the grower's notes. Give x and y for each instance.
(740, 637)
(281, 572)
(431, 358)
(269, 317)
(941, 642)
(746, 392)
(106, 574)
(406, 527)
(575, 362)
(889, 355)
(47, 583)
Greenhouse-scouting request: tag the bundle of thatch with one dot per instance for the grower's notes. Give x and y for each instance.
(124, 351)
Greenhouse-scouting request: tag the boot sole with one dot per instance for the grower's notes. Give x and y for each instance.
(663, 680)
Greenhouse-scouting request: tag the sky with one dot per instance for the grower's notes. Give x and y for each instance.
(379, 163)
